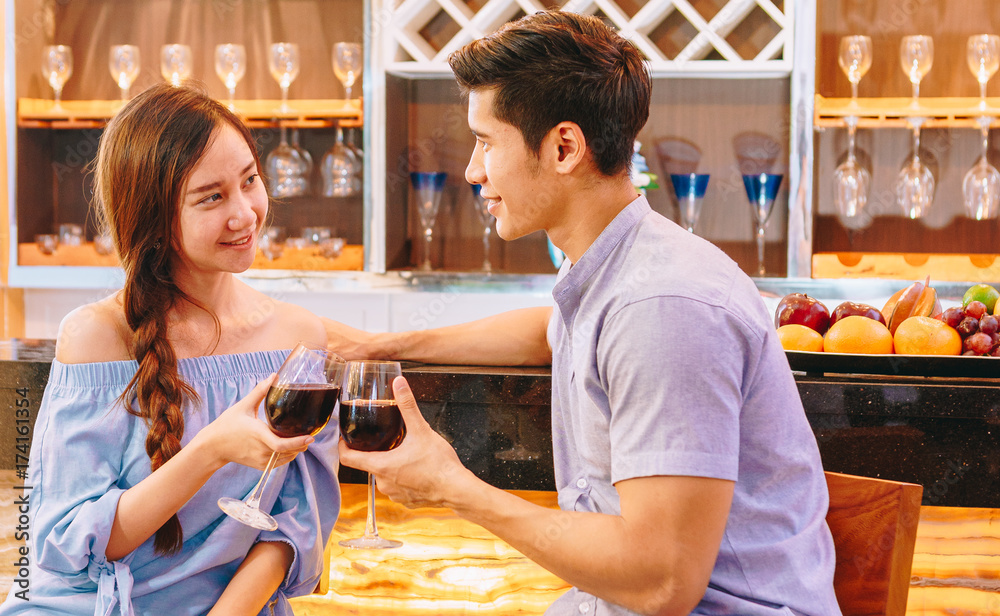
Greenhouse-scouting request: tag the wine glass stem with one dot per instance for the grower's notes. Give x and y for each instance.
(124, 94)
(284, 98)
(916, 145)
(486, 250)
(428, 232)
(916, 91)
(371, 528)
(254, 500)
(760, 249)
(851, 128)
(854, 91)
(232, 97)
(986, 139)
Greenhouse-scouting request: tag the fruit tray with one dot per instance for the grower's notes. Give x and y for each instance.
(895, 365)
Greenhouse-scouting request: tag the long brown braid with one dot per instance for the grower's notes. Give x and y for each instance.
(146, 154)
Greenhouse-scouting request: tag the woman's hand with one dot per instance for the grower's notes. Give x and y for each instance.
(238, 436)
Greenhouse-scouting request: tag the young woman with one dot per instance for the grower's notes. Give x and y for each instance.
(151, 409)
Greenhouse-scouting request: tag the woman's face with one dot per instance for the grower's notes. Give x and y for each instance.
(223, 207)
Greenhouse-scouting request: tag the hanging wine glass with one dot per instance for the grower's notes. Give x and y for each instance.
(689, 188)
(981, 186)
(916, 54)
(851, 181)
(983, 55)
(370, 421)
(283, 60)
(429, 188)
(915, 183)
(339, 169)
(762, 190)
(57, 68)
(855, 59)
(347, 66)
(301, 401)
(123, 62)
(487, 221)
(230, 66)
(175, 63)
(285, 170)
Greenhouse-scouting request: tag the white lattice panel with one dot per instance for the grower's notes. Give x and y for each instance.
(673, 35)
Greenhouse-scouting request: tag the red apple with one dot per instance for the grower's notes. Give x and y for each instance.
(848, 309)
(801, 309)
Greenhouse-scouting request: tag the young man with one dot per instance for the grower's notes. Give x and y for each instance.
(689, 480)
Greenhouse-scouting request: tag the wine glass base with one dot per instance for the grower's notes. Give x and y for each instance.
(251, 516)
(370, 543)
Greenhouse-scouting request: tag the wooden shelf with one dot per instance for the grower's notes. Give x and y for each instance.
(944, 112)
(41, 113)
(907, 266)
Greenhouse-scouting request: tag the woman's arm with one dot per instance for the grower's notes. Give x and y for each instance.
(258, 576)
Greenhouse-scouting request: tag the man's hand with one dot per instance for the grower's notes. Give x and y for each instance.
(422, 471)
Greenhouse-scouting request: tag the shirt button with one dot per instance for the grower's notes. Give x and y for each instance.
(581, 483)
(584, 607)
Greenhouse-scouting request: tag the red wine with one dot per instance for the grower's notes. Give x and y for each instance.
(371, 425)
(297, 410)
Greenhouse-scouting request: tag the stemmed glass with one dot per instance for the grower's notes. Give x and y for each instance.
(339, 168)
(855, 59)
(230, 66)
(429, 187)
(284, 63)
(689, 189)
(487, 219)
(851, 181)
(983, 54)
(915, 183)
(175, 63)
(123, 62)
(762, 189)
(347, 66)
(916, 54)
(287, 171)
(370, 421)
(301, 401)
(981, 186)
(57, 67)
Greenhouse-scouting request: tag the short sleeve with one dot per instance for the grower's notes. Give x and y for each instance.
(306, 510)
(674, 369)
(75, 465)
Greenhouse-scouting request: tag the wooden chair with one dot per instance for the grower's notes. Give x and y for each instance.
(874, 527)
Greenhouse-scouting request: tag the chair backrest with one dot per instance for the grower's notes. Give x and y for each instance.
(874, 527)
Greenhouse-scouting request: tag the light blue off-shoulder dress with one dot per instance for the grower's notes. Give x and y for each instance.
(87, 450)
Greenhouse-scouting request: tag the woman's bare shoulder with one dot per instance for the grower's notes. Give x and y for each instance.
(94, 332)
(300, 324)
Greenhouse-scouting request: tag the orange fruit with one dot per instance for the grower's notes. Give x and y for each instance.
(856, 334)
(926, 336)
(795, 337)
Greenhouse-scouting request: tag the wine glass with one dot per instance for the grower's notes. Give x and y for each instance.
(762, 189)
(851, 181)
(429, 187)
(286, 170)
(284, 63)
(300, 401)
(983, 54)
(981, 186)
(339, 169)
(916, 54)
(123, 62)
(915, 183)
(230, 66)
(57, 67)
(855, 59)
(690, 191)
(370, 421)
(347, 66)
(487, 220)
(175, 63)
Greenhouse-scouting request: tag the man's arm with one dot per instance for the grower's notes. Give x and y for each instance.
(514, 338)
(654, 558)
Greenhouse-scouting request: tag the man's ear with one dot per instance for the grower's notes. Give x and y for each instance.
(567, 145)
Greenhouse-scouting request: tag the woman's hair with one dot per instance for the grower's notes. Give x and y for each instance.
(556, 66)
(146, 155)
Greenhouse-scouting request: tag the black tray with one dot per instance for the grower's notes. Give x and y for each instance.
(895, 365)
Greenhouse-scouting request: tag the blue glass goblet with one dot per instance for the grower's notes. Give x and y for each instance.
(428, 186)
(762, 189)
(690, 191)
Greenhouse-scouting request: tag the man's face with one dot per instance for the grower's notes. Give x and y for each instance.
(512, 178)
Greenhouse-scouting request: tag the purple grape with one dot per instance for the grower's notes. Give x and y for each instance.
(968, 326)
(953, 316)
(988, 324)
(975, 309)
(978, 343)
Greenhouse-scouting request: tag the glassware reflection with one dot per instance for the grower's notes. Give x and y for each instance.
(486, 219)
